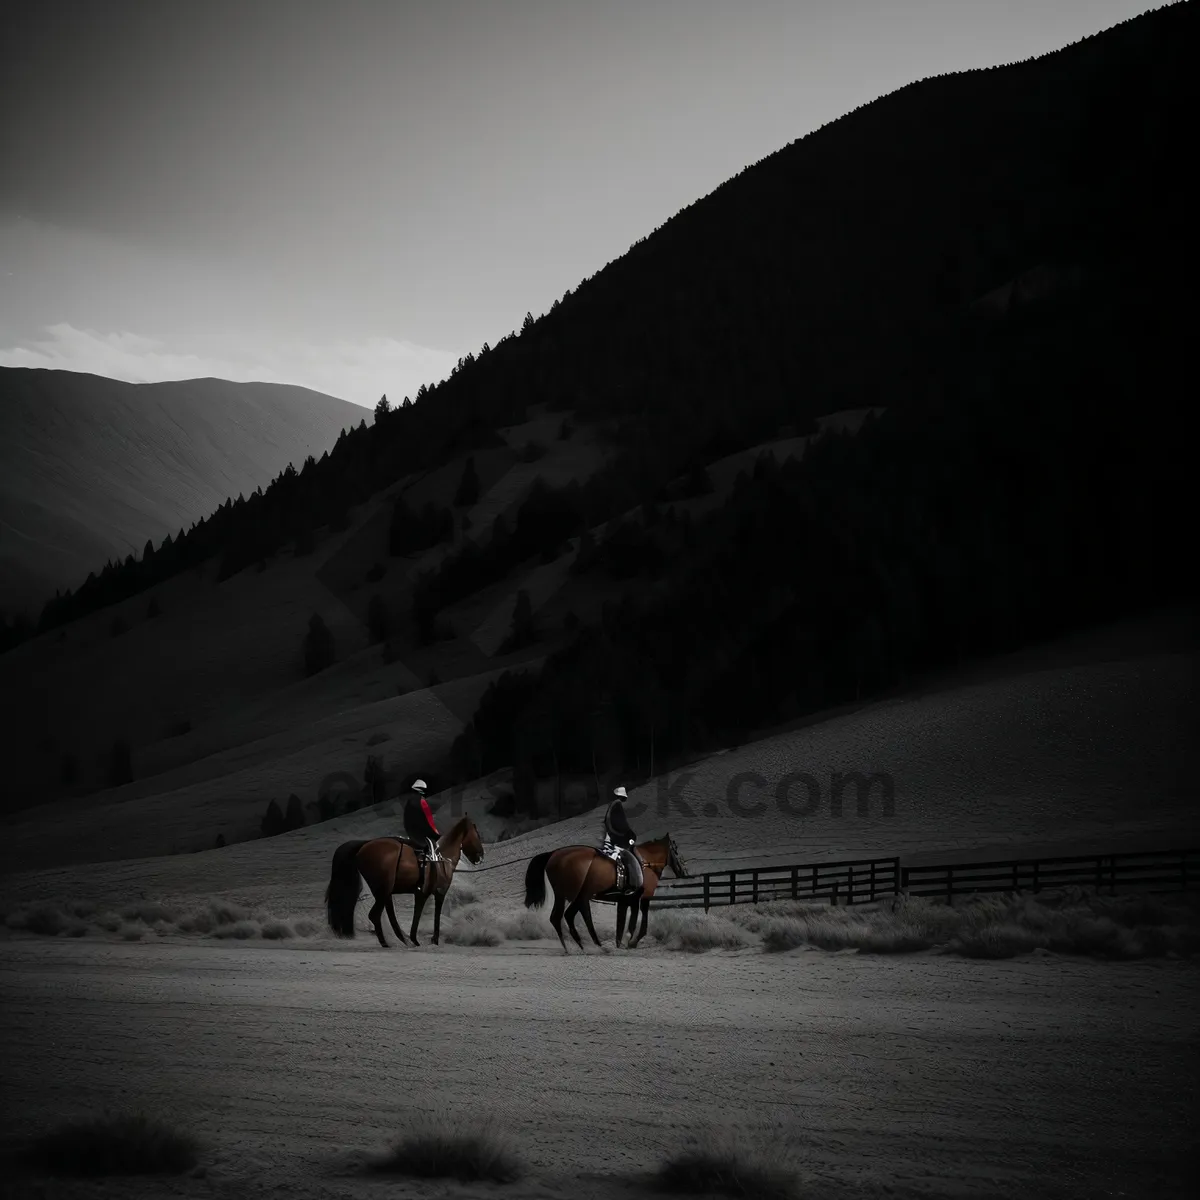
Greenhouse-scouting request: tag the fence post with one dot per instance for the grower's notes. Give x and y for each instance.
(1183, 870)
(754, 885)
(732, 887)
(950, 884)
(849, 885)
(706, 879)
(1036, 884)
(795, 883)
(872, 879)
(834, 898)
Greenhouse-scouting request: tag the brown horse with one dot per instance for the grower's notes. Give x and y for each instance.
(390, 866)
(581, 874)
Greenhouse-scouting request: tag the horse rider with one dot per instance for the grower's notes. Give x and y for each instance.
(418, 819)
(619, 836)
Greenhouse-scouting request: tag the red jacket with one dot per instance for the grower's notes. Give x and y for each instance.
(429, 816)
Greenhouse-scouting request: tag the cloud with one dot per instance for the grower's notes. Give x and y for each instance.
(359, 371)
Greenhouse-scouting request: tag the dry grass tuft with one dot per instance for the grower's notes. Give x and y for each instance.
(695, 934)
(241, 930)
(459, 896)
(436, 1147)
(131, 1144)
(998, 926)
(525, 926)
(719, 1166)
(275, 930)
(149, 912)
(473, 927)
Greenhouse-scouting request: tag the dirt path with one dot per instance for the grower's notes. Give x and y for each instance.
(1037, 1077)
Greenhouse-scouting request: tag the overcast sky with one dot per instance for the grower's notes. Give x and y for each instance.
(350, 195)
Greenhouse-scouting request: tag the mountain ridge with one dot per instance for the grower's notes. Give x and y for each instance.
(95, 467)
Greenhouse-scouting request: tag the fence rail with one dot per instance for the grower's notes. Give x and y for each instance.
(855, 881)
(858, 881)
(1162, 870)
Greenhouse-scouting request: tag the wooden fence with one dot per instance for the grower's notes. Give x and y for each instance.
(852, 882)
(858, 881)
(1158, 870)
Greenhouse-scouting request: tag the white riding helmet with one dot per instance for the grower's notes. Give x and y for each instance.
(420, 786)
(621, 792)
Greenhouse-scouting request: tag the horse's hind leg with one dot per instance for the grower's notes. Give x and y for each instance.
(556, 916)
(586, 908)
(621, 906)
(373, 917)
(572, 909)
(390, 905)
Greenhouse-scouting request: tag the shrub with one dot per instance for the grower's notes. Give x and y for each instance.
(272, 822)
(719, 1166)
(276, 930)
(434, 1149)
(114, 1145)
(45, 919)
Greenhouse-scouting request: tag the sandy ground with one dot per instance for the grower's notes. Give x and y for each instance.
(931, 1076)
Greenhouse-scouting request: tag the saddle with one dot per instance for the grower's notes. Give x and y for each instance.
(627, 869)
(424, 858)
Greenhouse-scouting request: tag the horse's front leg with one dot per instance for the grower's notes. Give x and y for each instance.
(438, 899)
(418, 905)
(644, 905)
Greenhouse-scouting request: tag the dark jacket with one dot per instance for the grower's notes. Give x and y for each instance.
(616, 825)
(418, 820)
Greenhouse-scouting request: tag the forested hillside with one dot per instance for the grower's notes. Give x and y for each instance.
(994, 258)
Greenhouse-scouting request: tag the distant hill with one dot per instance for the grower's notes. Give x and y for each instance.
(92, 468)
(899, 398)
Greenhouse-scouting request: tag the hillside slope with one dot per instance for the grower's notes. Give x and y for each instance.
(1083, 744)
(91, 468)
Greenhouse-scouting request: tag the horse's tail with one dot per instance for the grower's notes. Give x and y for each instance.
(345, 884)
(535, 880)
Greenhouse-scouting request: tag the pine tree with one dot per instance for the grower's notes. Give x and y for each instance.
(272, 822)
(294, 817)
